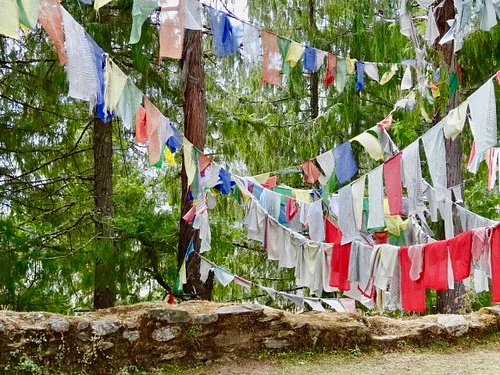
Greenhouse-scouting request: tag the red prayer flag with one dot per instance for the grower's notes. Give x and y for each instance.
(412, 292)
(331, 69)
(495, 264)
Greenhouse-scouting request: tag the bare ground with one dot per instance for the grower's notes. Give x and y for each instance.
(465, 359)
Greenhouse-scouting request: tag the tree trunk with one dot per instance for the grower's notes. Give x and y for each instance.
(194, 130)
(314, 77)
(450, 301)
(314, 88)
(105, 269)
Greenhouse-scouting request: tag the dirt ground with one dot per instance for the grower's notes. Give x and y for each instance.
(478, 359)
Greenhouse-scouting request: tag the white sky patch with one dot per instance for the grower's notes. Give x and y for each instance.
(238, 7)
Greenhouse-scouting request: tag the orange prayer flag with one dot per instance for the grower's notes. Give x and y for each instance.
(310, 171)
(204, 161)
(271, 59)
(141, 134)
(50, 17)
(171, 28)
(153, 118)
(386, 123)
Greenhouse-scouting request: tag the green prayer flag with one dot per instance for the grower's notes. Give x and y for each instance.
(453, 83)
(284, 45)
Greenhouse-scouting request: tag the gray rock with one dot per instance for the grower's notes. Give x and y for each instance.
(285, 333)
(456, 325)
(171, 316)
(240, 309)
(39, 316)
(169, 356)
(32, 328)
(83, 336)
(205, 318)
(131, 335)
(276, 344)
(232, 340)
(494, 309)
(2, 327)
(84, 324)
(103, 327)
(166, 333)
(58, 324)
(105, 345)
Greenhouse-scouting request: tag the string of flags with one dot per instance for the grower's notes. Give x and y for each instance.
(225, 277)
(320, 264)
(112, 92)
(372, 272)
(229, 34)
(479, 110)
(349, 219)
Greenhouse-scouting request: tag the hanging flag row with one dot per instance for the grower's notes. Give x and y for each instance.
(279, 54)
(225, 277)
(229, 34)
(480, 111)
(373, 272)
(385, 203)
(95, 78)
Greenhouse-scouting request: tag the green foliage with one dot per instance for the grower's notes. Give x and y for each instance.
(48, 244)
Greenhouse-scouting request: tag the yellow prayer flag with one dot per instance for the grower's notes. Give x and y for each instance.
(9, 26)
(100, 3)
(169, 157)
(294, 54)
(351, 65)
(386, 77)
(371, 145)
(189, 160)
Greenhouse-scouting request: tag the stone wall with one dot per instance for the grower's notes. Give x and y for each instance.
(152, 335)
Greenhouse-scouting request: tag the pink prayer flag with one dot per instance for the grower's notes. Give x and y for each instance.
(242, 282)
(495, 264)
(153, 117)
(171, 29)
(472, 155)
(50, 17)
(271, 59)
(189, 216)
(311, 172)
(141, 134)
(386, 123)
(498, 76)
(393, 184)
(271, 182)
(492, 167)
(204, 161)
